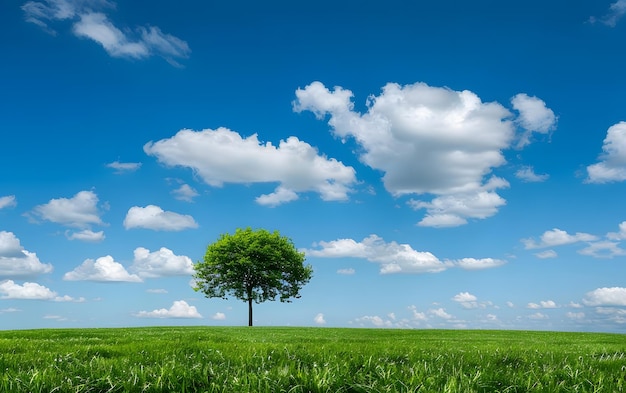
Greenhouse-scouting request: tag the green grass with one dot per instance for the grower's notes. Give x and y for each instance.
(264, 359)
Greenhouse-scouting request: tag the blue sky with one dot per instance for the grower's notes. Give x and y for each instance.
(442, 164)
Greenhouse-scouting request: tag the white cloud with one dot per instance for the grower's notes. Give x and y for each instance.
(428, 140)
(97, 27)
(79, 211)
(469, 301)
(15, 261)
(478, 264)
(466, 299)
(612, 165)
(160, 263)
(615, 296)
(86, 235)
(346, 272)
(375, 320)
(393, 257)
(90, 21)
(223, 156)
(441, 313)
(319, 319)
(124, 167)
(557, 237)
(575, 315)
(621, 235)
(510, 304)
(103, 269)
(538, 316)
(31, 291)
(616, 11)
(547, 254)
(179, 309)
(542, 304)
(10, 245)
(10, 309)
(534, 116)
(185, 193)
(8, 201)
(417, 315)
(528, 174)
(603, 249)
(218, 316)
(155, 218)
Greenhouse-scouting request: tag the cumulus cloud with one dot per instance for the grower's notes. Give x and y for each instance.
(179, 309)
(466, 300)
(161, 263)
(79, 211)
(441, 313)
(528, 175)
(469, 301)
(542, 304)
(374, 320)
(612, 165)
(417, 315)
(319, 319)
(32, 291)
(29, 290)
(86, 235)
(90, 20)
(124, 167)
(534, 116)
(103, 269)
(614, 296)
(223, 156)
(219, 316)
(393, 257)
(185, 193)
(346, 272)
(615, 13)
(478, 264)
(8, 201)
(155, 218)
(557, 237)
(538, 316)
(15, 261)
(430, 140)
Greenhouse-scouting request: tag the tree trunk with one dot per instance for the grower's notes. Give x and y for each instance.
(250, 312)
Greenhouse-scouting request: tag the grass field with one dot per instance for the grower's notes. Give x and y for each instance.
(268, 359)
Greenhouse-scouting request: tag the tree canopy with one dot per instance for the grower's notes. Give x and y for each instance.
(254, 266)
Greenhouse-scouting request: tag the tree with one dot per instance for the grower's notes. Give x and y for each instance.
(252, 265)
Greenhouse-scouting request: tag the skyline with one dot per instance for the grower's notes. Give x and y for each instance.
(458, 166)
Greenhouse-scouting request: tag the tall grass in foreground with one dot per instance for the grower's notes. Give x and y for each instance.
(294, 360)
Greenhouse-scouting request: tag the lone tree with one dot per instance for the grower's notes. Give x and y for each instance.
(252, 266)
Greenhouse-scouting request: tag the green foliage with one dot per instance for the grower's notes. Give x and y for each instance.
(298, 360)
(254, 266)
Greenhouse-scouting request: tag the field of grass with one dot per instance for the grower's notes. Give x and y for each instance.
(268, 359)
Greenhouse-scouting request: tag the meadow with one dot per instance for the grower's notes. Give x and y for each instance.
(272, 359)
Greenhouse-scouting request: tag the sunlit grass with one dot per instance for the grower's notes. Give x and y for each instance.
(264, 359)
